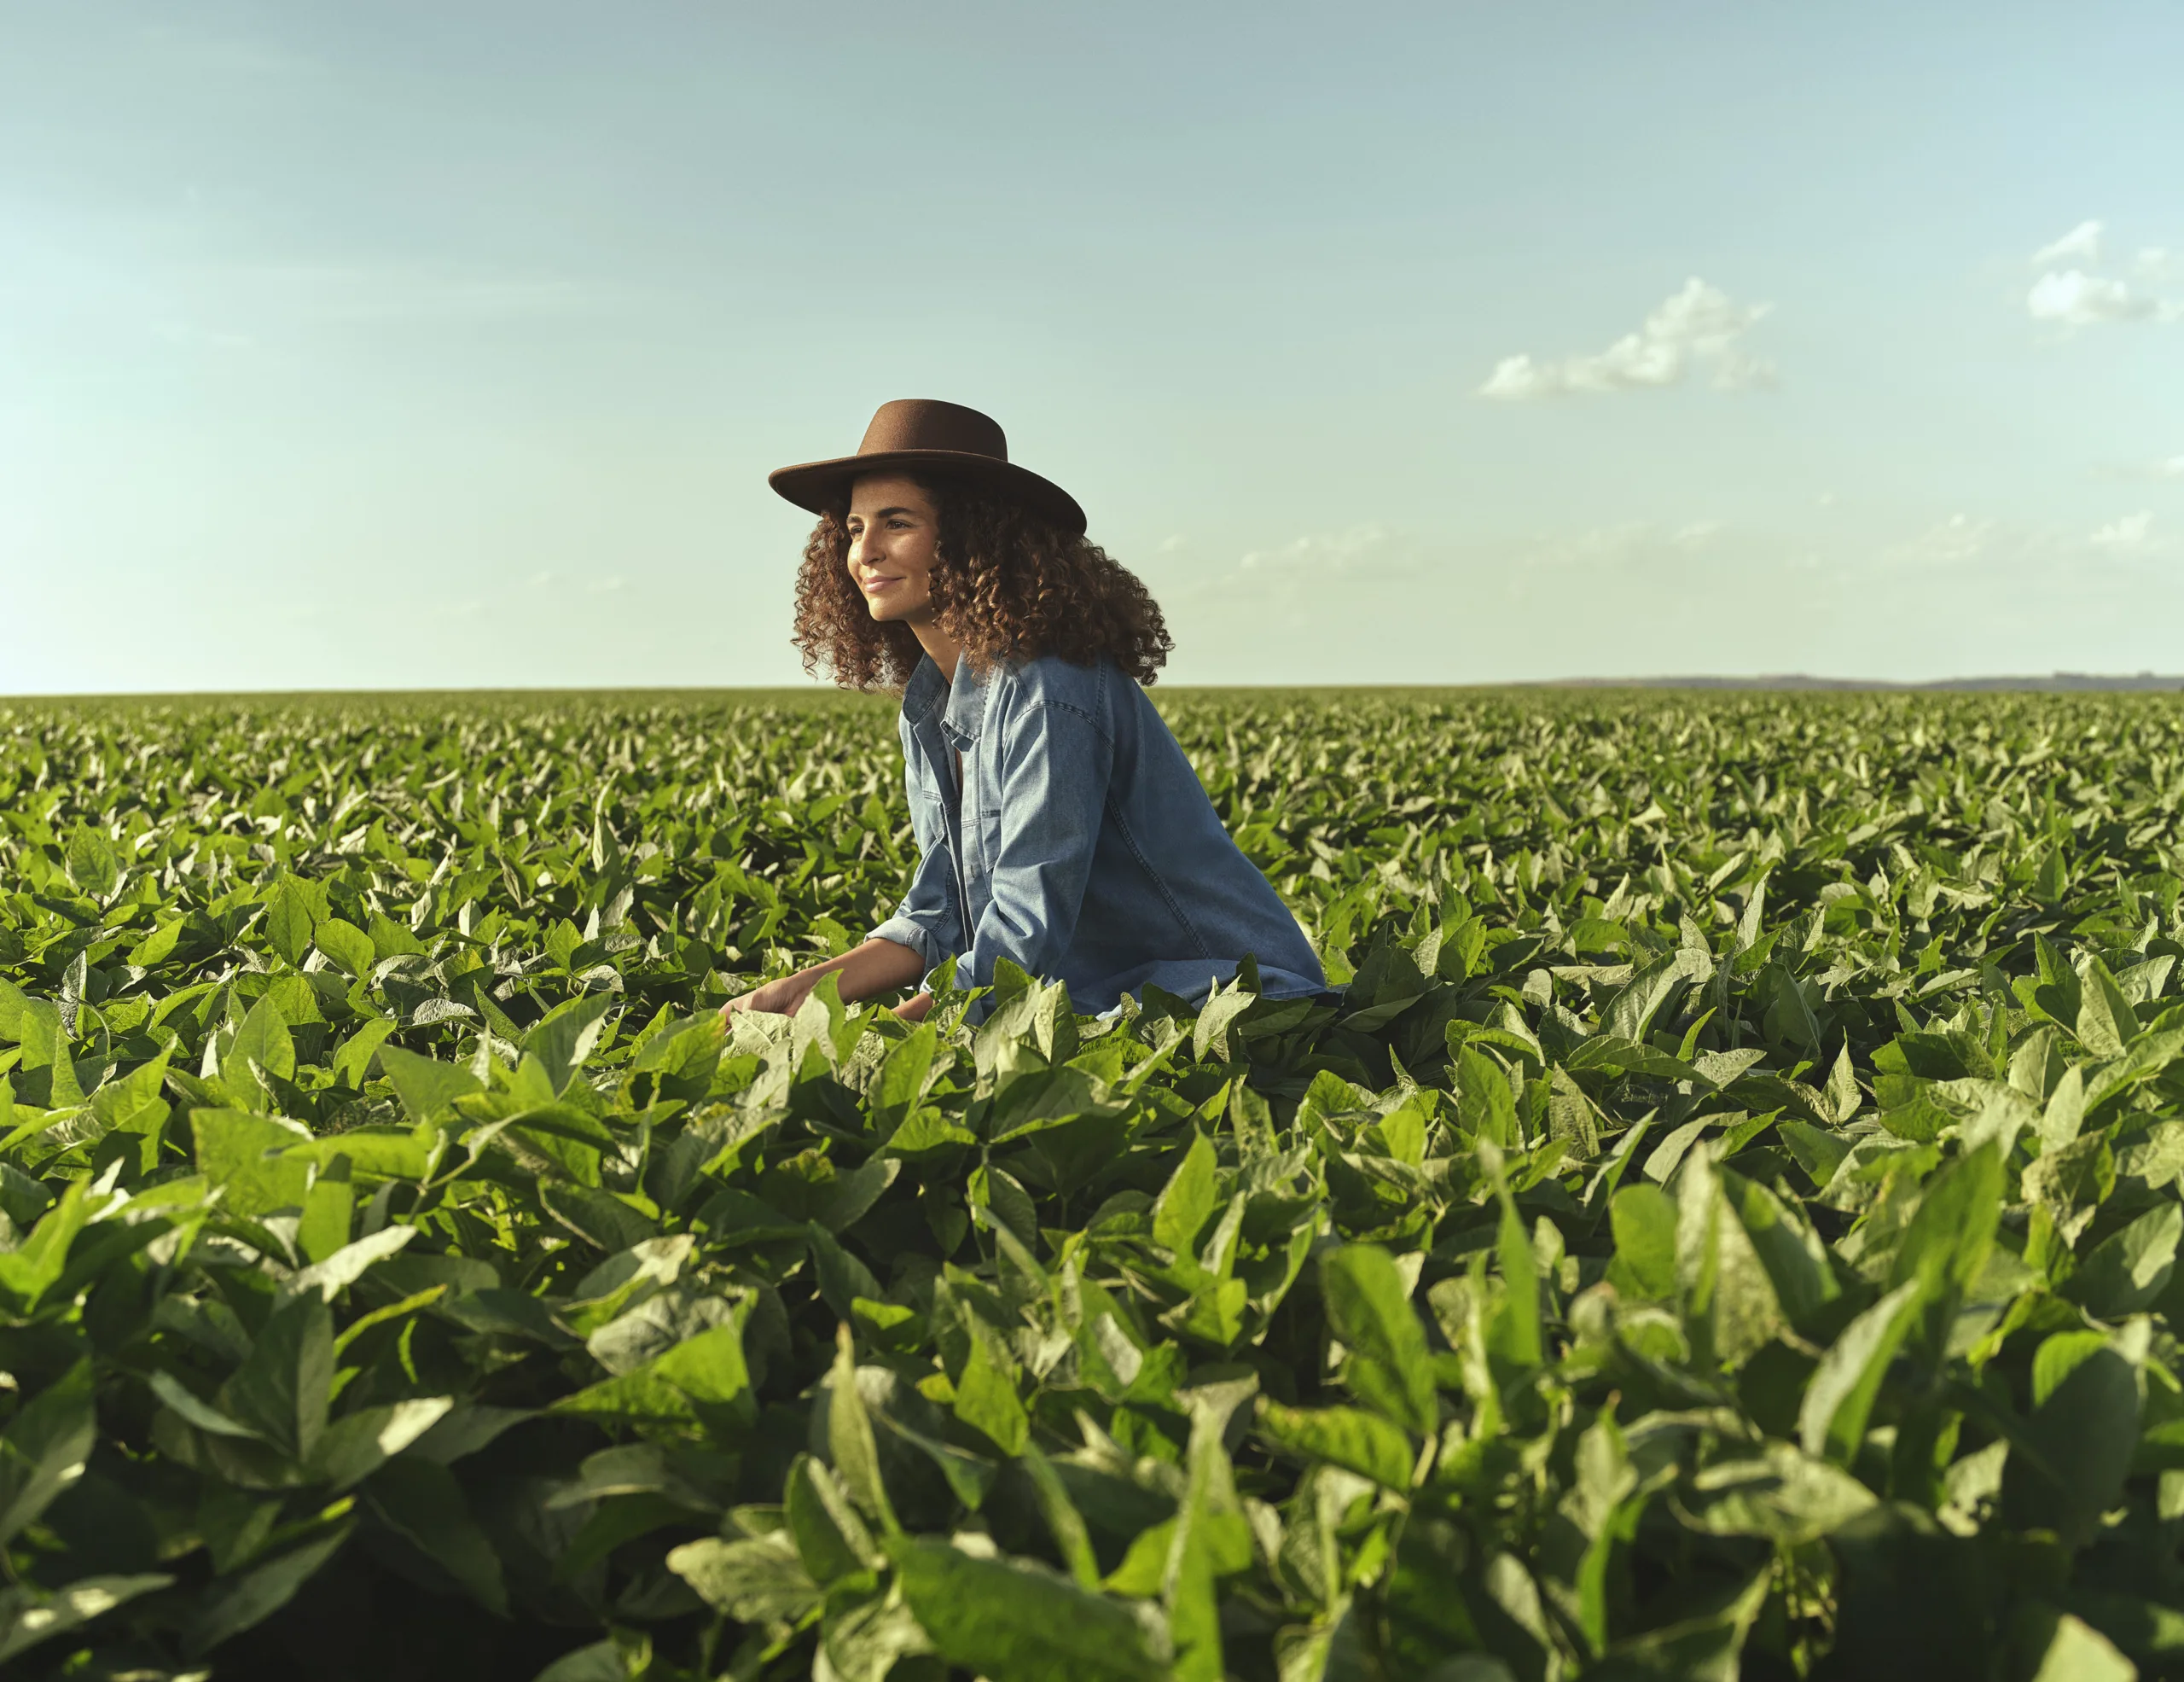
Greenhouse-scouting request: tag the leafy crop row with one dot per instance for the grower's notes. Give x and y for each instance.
(1729, 1226)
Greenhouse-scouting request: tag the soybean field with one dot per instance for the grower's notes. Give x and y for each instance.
(1728, 1227)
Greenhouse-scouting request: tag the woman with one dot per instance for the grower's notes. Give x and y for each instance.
(1057, 823)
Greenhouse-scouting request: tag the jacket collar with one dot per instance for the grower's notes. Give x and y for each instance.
(961, 705)
(926, 691)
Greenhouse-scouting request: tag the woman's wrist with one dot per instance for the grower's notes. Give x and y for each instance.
(876, 967)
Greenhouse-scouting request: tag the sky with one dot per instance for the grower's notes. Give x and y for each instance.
(447, 344)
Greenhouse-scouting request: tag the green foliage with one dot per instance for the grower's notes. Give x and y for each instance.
(1729, 1226)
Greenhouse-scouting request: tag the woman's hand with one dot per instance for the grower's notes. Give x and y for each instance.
(783, 997)
(914, 1009)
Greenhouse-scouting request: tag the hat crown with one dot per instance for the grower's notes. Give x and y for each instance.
(927, 423)
(917, 435)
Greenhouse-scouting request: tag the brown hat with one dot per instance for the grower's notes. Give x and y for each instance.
(943, 438)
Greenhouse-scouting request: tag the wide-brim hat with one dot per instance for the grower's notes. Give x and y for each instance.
(919, 434)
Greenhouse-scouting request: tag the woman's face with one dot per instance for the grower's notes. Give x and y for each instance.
(894, 531)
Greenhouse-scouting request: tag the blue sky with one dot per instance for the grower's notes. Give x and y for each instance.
(449, 344)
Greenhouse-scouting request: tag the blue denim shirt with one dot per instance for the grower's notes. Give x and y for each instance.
(1085, 848)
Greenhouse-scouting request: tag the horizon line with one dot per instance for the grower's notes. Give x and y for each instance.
(2053, 683)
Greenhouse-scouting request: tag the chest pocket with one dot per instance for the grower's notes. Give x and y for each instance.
(928, 808)
(981, 814)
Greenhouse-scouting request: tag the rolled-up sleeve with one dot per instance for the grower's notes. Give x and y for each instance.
(1055, 763)
(927, 920)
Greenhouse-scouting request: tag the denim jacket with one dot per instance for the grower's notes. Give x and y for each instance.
(1083, 849)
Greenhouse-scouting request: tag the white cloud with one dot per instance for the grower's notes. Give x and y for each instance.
(2131, 531)
(2072, 298)
(2173, 468)
(1955, 540)
(2003, 549)
(1360, 548)
(2080, 295)
(1698, 322)
(2082, 242)
(1636, 544)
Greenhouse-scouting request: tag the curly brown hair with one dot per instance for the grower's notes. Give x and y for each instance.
(1007, 584)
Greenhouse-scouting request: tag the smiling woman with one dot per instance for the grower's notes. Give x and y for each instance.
(1058, 824)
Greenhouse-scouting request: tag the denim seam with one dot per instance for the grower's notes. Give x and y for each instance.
(1061, 706)
(1159, 881)
(1049, 701)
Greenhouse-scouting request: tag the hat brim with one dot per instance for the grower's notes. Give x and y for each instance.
(822, 486)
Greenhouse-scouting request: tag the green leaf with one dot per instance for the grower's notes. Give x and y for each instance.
(1839, 1399)
(1791, 1251)
(233, 1604)
(1063, 1519)
(2088, 1393)
(902, 1079)
(30, 1615)
(28, 1272)
(755, 1579)
(986, 1400)
(1485, 1107)
(701, 1378)
(624, 1657)
(262, 1046)
(427, 1087)
(1515, 1336)
(1388, 1368)
(831, 1539)
(201, 1414)
(1188, 1202)
(1790, 1017)
(1349, 1437)
(561, 1042)
(93, 866)
(391, 940)
(1706, 1646)
(283, 1389)
(1210, 1033)
(1843, 1094)
(1952, 1232)
(248, 1157)
(1780, 1493)
(2078, 1652)
(1016, 1621)
(2107, 1024)
(45, 1447)
(1632, 1010)
(345, 946)
(294, 909)
(358, 1443)
(1643, 1219)
(423, 1502)
(850, 1439)
(348, 1263)
(2129, 1269)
